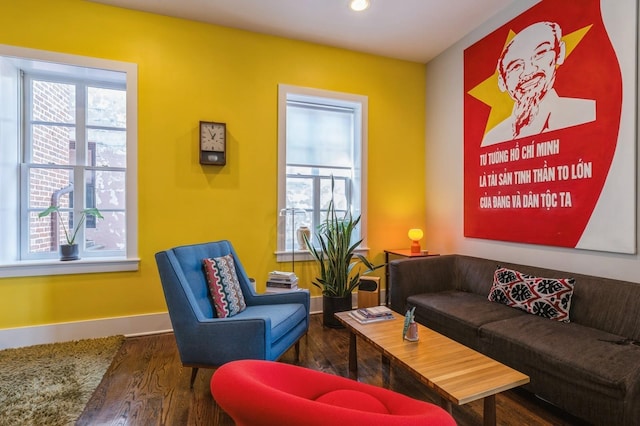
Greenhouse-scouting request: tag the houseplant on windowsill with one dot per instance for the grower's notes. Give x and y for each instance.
(338, 262)
(69, 251)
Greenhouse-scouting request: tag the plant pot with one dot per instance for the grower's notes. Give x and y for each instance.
(69, 252)
(331, 305)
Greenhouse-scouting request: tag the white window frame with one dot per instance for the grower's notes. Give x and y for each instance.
(360, 103)
(11, 264)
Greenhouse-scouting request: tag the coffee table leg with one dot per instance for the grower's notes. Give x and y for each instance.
(353, 356)
(386, 371)
(386, 278)
(490, 410)
(446, 404)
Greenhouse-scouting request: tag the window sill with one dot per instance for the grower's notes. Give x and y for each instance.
(304, 255)
(93, 265)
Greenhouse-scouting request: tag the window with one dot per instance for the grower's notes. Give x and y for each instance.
(68, 140)
(321, 136)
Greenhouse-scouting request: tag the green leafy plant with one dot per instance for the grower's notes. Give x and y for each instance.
(337, 258)
(71, 238)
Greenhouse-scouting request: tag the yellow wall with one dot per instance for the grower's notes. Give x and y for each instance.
(189, 72)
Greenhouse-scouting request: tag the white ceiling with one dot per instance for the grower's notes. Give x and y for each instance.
(414, 30)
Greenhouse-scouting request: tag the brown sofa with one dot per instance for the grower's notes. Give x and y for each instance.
(589, 367)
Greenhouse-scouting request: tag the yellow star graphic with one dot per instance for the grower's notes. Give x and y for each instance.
(500, 102)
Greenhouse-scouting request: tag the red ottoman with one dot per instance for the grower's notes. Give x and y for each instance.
(269, 393)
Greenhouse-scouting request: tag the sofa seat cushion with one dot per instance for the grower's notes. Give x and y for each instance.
(458, 314)
(284, 317)
(583, 357)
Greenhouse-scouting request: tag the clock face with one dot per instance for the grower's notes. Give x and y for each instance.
(212, 136)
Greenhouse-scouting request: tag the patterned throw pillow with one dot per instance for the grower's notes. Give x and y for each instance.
(546, 297)
(224, 286)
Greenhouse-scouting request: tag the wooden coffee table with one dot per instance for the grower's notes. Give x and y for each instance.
(457, 373)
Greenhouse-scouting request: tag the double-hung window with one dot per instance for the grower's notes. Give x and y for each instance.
(321, 144)
(66, 142)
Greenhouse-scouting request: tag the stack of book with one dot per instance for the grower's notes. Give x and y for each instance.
(373, 314)
(282, 281)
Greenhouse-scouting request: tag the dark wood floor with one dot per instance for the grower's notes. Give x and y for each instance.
(147, 385)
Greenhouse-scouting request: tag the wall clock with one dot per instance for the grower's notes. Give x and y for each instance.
(213, 143)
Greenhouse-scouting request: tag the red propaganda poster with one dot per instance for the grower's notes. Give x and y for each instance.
(549, 133)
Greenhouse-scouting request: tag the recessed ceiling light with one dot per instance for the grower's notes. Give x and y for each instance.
(359, 5)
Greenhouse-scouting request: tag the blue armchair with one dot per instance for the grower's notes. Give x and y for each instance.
(266, 329)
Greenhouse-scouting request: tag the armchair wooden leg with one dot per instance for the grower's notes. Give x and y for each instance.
(194, 371)
(216, 413)
(297, 349)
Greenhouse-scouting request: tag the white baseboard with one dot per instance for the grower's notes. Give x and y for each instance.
(315, 306)
(129, 326)
(65, 332)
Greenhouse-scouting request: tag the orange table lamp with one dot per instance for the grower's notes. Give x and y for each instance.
(415, 235)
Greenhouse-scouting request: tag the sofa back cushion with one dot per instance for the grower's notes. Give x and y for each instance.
(474, 274)
(607, 304)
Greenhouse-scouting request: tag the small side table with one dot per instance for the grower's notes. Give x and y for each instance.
(398, 253)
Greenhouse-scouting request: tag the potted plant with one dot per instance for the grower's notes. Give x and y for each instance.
(69, 251)
(338, 262)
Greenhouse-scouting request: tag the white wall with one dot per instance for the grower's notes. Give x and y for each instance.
(444, 163)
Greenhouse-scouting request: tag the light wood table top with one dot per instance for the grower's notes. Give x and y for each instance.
(458, 373)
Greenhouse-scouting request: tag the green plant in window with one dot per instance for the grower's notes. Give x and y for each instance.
(71, 238)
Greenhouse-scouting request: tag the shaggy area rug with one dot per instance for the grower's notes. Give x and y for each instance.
(51, 384)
